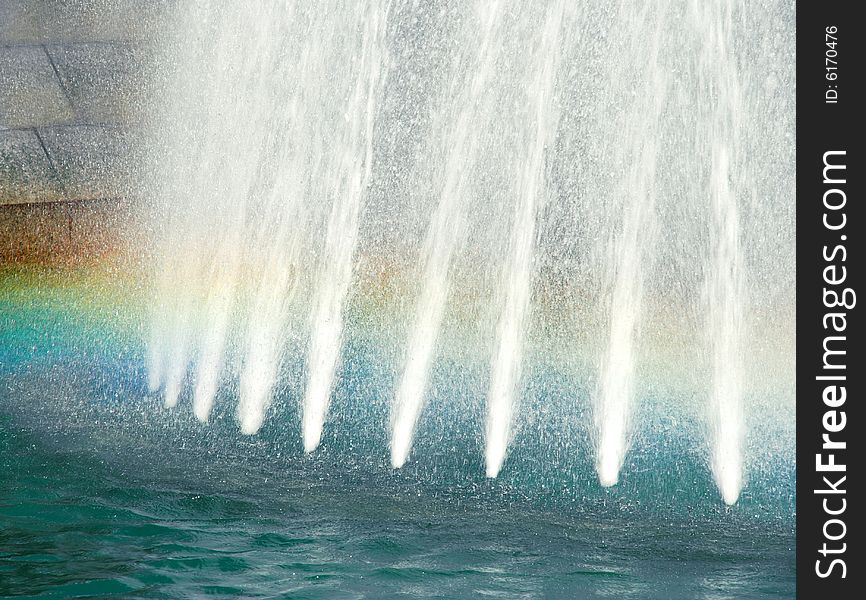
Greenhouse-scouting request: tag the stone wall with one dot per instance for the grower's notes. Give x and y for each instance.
(71, 86)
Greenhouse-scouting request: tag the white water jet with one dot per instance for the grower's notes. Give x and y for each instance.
(441, 240)
(627, 260)
(172, 324)
(726, 297)
(264, 343)
(516, 284)
(218, 313)
(725, 273)
(179, 331)
(351, 183)
(156, 346)
(178, 361)
(272, 211)
(261, 361)
(164, 306)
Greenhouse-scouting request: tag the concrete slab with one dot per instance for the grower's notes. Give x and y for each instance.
(91, 162)
(100, 228)
(30, 92)
(26, 175)
(67, 233)
(100, 80)
(62, 21)
(34, 232)
(17, 23)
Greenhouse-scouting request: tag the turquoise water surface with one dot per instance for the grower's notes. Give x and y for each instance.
(104, 492)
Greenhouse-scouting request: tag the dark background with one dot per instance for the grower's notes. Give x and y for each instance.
(822, 127)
